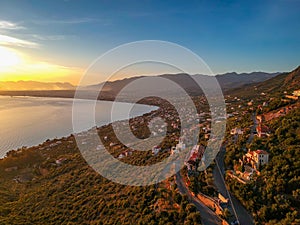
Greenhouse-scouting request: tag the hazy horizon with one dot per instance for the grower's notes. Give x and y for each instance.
(135, 75)
(47, 43)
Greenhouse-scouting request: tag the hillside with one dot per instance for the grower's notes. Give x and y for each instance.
(111, 88)
(270, 121)
(283, 82)
(52, 184)
(227, 81)
(233, 80)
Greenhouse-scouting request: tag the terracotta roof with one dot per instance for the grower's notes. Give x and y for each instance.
(194, 156)
(250, 153)
(262, 128)
(261, 152)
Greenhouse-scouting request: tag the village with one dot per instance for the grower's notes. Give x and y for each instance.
(244, 170)
(252, 161)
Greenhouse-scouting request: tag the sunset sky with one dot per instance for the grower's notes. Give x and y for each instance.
(57, 40)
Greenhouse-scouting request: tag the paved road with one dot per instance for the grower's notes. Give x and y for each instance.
(208, 217)
(243, 216)
(253, 128)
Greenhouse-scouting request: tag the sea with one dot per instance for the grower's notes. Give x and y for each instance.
(29, 121)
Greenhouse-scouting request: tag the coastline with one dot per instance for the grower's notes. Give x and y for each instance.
(69, 94)
(50, 140)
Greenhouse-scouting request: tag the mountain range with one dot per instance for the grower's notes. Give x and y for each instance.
(283, 82)
(227, 81)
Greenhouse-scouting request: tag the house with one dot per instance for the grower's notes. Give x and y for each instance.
(121, 156)
(156, 150)
(154, 133)
(127, 153)
(206, 136)
(222, 198)
(296, 93)
(60, 161)
(260, 118)
(195, 154)
(180, 146)
(293, 97)
(256, 158)
(236, 130)
(174, 150)
(262, 131)
(248, 173)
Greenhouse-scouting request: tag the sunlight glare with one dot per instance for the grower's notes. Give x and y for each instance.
(8, 58)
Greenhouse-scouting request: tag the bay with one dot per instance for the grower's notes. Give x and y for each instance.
(29, 121)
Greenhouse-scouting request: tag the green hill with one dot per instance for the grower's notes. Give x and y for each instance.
(52, 184)
(280, 83)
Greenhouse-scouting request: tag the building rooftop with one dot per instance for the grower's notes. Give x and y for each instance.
(261, 152)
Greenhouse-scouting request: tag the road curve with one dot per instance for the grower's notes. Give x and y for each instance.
(243, 216)
(208, 217)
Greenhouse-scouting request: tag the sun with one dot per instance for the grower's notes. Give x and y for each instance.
(16, 65)
(8, 58)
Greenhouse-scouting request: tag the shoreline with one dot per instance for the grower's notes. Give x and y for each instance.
(67, 136)
(67, 94)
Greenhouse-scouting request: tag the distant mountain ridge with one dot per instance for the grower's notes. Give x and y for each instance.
(34, 85)
(227, 81)
(283, 82)
(232, 80)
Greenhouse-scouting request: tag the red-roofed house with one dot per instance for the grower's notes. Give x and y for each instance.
(256, 158)
(194, 156)
(262, 131)
(196, 153)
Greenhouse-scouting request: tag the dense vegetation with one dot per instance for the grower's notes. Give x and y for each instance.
(274, 196)
(73, 193)
(52, 184)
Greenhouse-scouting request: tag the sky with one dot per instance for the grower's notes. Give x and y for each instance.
(58, 40)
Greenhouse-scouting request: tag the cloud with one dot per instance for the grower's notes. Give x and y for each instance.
(49, 37)
(66, 21)
(45, 68)
(15, 42)
(10, 25)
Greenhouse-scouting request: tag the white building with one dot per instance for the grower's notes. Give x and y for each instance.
(257, 158)
(236, 131)
(296, 93)
(156, 150)
(180, 146)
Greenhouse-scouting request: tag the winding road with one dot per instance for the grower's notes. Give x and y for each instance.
(239, 210)
(208, 217)
(241, 213)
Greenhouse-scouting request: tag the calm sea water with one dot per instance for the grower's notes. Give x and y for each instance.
(29, 121)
